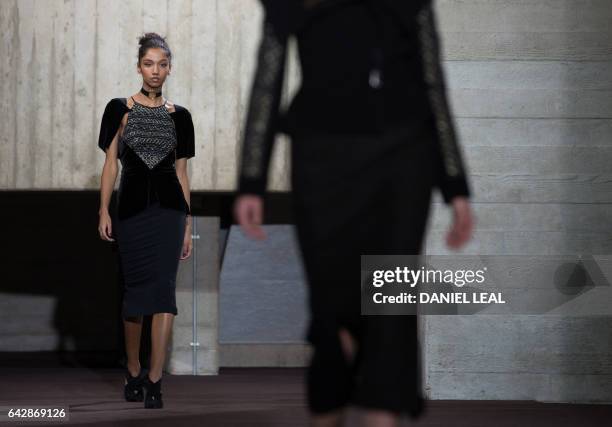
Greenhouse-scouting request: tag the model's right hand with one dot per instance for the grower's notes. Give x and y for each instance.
(248, 212)
(105, 228)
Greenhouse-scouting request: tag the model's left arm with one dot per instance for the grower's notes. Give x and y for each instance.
(262, 120)
(263, 112)
(450, 173)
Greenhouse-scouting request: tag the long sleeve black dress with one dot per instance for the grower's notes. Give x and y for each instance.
(371, 135)
(151, 207)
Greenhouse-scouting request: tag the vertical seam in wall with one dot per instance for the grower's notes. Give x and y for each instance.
(73, 156)
(31, 111)
(32, 71)
(52, 96)
(191, 79)
(17, 47)
(165, 34)
(239, 109)
(239, 85)
(95, 77)
(216, 106)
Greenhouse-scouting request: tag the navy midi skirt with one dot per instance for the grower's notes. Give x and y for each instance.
(150, 245)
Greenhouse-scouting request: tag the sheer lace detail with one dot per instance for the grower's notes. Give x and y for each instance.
(264, 105)
(434, 78)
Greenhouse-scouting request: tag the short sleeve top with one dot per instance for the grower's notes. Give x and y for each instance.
(142, 181)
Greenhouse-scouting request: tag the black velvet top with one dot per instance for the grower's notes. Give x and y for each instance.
(366, 65)
(151, 142)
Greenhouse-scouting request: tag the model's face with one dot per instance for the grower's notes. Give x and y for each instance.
(154, 67)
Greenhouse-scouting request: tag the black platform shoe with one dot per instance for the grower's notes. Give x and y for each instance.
(133, 389)
(153, 395)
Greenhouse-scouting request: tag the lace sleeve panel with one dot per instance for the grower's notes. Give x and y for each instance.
(452, 179)
(263, 112)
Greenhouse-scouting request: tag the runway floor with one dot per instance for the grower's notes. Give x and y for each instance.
(244, 397)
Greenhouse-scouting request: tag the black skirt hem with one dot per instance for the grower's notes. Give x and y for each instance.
(148, 313)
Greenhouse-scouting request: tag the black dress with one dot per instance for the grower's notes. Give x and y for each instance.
(371, 136)
(151, 207)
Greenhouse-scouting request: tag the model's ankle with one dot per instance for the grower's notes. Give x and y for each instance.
(134, 369)
(154, 376)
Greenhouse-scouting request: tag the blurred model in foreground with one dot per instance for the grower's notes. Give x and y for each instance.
(371, 136)
(153, 138)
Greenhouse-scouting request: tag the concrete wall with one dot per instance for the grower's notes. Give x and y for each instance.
(532, 89)
(529, 76)
(530, 80)
(263, 301)
(64, 60)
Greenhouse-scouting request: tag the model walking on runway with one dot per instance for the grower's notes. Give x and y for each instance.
(153, 138)
(371, 135)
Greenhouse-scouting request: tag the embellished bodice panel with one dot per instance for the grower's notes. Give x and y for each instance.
(149, 133)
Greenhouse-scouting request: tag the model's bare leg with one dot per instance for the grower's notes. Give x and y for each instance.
(161, 327)
(349, 346)
(132, 330)
(380, 419)
(333, 419)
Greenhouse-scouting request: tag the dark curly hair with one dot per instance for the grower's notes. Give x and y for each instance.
(150, 41)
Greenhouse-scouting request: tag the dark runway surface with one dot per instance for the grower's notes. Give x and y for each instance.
(243, 397)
